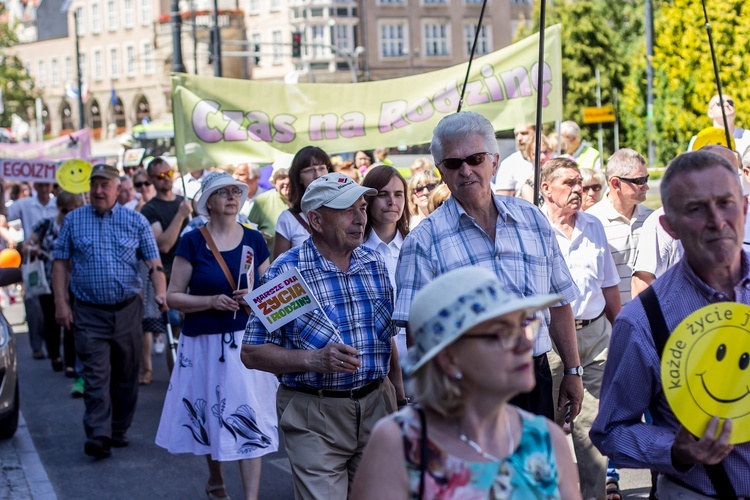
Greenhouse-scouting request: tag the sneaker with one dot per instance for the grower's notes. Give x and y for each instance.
(159, 344)
(77, 390)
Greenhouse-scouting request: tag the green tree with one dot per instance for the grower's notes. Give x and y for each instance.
(17, 86)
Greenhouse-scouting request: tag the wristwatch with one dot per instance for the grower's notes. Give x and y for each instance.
(578, 370)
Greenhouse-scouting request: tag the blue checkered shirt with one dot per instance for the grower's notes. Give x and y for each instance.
(104, 251)
(359, 302)
(632, 384)
(524, 256)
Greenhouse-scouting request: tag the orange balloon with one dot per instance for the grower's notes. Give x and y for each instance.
(10, 258)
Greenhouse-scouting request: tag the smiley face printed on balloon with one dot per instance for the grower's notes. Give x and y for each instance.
(73, 176)
(706, 369)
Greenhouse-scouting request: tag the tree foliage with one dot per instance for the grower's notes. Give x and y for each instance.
(17, 86)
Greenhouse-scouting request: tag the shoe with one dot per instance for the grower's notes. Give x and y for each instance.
(119, 440)
(57, 364)
(211, 488)
(38, 354)
(98, 447)
(146, 378)
(77, 390)
(70, 372)
(159, 345)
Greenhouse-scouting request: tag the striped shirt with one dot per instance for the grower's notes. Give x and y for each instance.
(104, 251)
(632, 384)
(359, 304)
(524, 256)
(622, 236)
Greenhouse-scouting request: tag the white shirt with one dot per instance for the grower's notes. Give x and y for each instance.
(289, 227)
(30, 210)
(512, 173)
(590, 263)
(622, 236)
(248, 205)
(192, 185)
(657, 251)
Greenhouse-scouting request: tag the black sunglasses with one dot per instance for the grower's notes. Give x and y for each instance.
(595, 187)
(139, 185)
(638, 181)
(726, 101)
(471, 160)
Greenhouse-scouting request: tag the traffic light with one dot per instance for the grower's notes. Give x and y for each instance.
(211, 42)
(297, 44)
(256, 49)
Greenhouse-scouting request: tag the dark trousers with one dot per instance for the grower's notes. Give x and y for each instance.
(108, 343)
(539, 400)
(52, 333)
(35, 321)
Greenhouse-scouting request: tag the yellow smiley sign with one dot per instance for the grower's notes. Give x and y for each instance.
(73, 176)
(705, 369)
(712, 136)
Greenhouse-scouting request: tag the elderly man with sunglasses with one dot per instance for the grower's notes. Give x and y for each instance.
(622, 212)
(507, 235)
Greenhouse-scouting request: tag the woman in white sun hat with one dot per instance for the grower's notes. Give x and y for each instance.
(215, 406)
(471, 355)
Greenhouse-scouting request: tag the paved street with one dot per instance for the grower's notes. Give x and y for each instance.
(45, 459)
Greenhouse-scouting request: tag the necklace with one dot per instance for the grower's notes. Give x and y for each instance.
(474, 446)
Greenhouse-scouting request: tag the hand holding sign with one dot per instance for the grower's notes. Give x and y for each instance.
(688, 450)
(247, 268)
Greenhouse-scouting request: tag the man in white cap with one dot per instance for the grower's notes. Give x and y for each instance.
(338, 365)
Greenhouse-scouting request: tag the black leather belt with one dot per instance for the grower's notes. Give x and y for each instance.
(356, 393)
(111, 307)
(580, 323)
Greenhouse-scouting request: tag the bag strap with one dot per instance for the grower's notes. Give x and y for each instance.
(422, 450)
(221, 262)
(302, 221)
(660, 332)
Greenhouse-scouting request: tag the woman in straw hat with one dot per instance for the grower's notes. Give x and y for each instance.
(471, 355)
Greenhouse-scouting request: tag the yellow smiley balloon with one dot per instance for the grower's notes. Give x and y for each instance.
(73, 176)
(705, 369)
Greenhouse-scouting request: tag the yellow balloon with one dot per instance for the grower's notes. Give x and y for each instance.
(712, 136)
(9, 257)
(73, 176)
(705, 369)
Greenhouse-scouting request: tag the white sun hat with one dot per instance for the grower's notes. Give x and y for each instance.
(212, 182)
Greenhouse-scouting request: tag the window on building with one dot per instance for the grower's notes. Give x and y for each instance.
(436, 39)
(84, 67)
(276, 39)
(148, 58)
(80, 21)
(114, 62)
(484, 43)
(96, 18)
(520, 2)
(111, 15)
(98, 67)
(275, 5)
(253, 6)
(145, 12)
(54, 72)
(127, 13)
(393, 40)
(398, 2)
(319, 41)
(130, 60)
(434, 1)
(41, 77)
(69, 70)
(342, 37)
(473, 1)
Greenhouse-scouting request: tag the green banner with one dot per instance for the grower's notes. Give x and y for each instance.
(221, 121)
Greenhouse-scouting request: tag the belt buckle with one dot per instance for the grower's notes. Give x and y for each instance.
(579, 324)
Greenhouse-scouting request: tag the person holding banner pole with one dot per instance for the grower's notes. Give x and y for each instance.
(337, 363)
(292, 227)
(215, 406)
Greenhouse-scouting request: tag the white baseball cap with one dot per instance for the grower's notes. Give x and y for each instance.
(335, 190)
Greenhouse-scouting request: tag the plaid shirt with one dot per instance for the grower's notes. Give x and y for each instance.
(524, 256)
(359, 302)
(104, 252)
(633, 384)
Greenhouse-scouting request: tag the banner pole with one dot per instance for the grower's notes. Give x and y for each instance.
(471, 56)
(716, 75)
(539, 83)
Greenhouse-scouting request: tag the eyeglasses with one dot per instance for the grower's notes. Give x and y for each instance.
(365, 159)
(638, 181)
(471, 160)
(593, 187)
(510, 337)
(318, 169)
(163, 175)
(224, 193)
(726, 101)
(139, 185)
(428, 187)
(64, 211)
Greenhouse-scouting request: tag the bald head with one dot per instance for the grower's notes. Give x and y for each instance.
(730, 155)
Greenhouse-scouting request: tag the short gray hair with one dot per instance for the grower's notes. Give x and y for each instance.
(458, 126)
(623, 162)
(570, 128)
(551, 169)
(588, 174)
(686, 163)
(746, 158)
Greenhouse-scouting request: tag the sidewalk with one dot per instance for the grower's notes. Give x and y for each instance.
(22, 475)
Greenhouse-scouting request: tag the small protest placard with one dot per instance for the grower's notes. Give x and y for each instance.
(281, 300)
